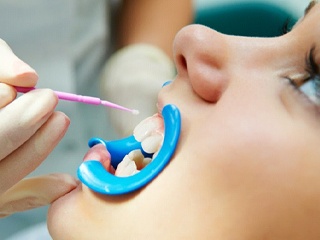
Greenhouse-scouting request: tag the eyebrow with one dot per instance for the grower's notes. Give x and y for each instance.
(310, 6)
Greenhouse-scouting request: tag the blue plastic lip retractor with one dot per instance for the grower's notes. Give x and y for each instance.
(97, 178)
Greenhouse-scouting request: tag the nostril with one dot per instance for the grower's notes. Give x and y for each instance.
(182, 62)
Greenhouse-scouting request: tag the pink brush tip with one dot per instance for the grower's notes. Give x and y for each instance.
(135, 112)
(116, 106)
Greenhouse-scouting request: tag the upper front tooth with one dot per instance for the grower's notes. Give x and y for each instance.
(152, 144)
(147, 127)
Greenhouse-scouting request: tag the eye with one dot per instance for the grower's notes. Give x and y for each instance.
(310, 86)
(311, 89)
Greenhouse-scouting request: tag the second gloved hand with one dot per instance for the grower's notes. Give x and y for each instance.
(132, 77)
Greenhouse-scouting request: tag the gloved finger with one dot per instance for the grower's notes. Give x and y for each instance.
(23, 117)
(13, 70)
(35, 192)
(7, 94)
(29, 156)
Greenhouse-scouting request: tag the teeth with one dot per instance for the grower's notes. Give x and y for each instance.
(150, 133)
(138, 158)
(126, 167)
(146, 161)
(148, 127)
(131, 164)
(155, 155)
(152, 144)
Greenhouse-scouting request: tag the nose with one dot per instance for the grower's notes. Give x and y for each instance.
(201, 55)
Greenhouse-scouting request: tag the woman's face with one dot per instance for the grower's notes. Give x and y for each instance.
(248, 161)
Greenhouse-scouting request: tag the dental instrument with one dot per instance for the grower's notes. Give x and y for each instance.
(82, 99)
(93, 174)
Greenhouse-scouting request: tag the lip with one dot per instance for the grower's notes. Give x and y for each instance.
(100, 153)
(93, 174)
(160, 107)
(61, 199)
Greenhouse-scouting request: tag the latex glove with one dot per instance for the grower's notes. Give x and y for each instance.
(132, 77)
(29, 130)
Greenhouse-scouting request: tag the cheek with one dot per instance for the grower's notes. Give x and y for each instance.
(239, 154)
(62, 216)
(254, 160)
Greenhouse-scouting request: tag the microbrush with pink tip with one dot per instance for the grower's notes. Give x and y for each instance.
(82, 99)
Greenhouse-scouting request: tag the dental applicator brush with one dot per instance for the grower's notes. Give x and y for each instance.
(82, 99)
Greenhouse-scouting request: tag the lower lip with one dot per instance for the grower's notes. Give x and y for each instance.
(68, 194)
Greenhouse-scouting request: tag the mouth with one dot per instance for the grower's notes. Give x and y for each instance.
(145, 145)
(123, 166)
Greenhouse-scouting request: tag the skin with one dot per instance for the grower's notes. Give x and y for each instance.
(253, 171)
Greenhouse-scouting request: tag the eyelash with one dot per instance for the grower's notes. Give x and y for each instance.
(286, 27)
(314, 78)
(313, 70)
(312, 67)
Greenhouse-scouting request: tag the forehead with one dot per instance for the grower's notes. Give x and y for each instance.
(310, 23)
(313, 12)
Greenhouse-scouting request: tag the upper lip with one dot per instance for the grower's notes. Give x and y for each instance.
(160, 107)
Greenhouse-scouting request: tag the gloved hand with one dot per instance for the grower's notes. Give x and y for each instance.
(132, 77)
(29, 130)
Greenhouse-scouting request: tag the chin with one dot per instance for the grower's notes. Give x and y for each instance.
(62, 214)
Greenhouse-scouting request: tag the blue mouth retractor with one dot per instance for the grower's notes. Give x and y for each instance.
(93, 174)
